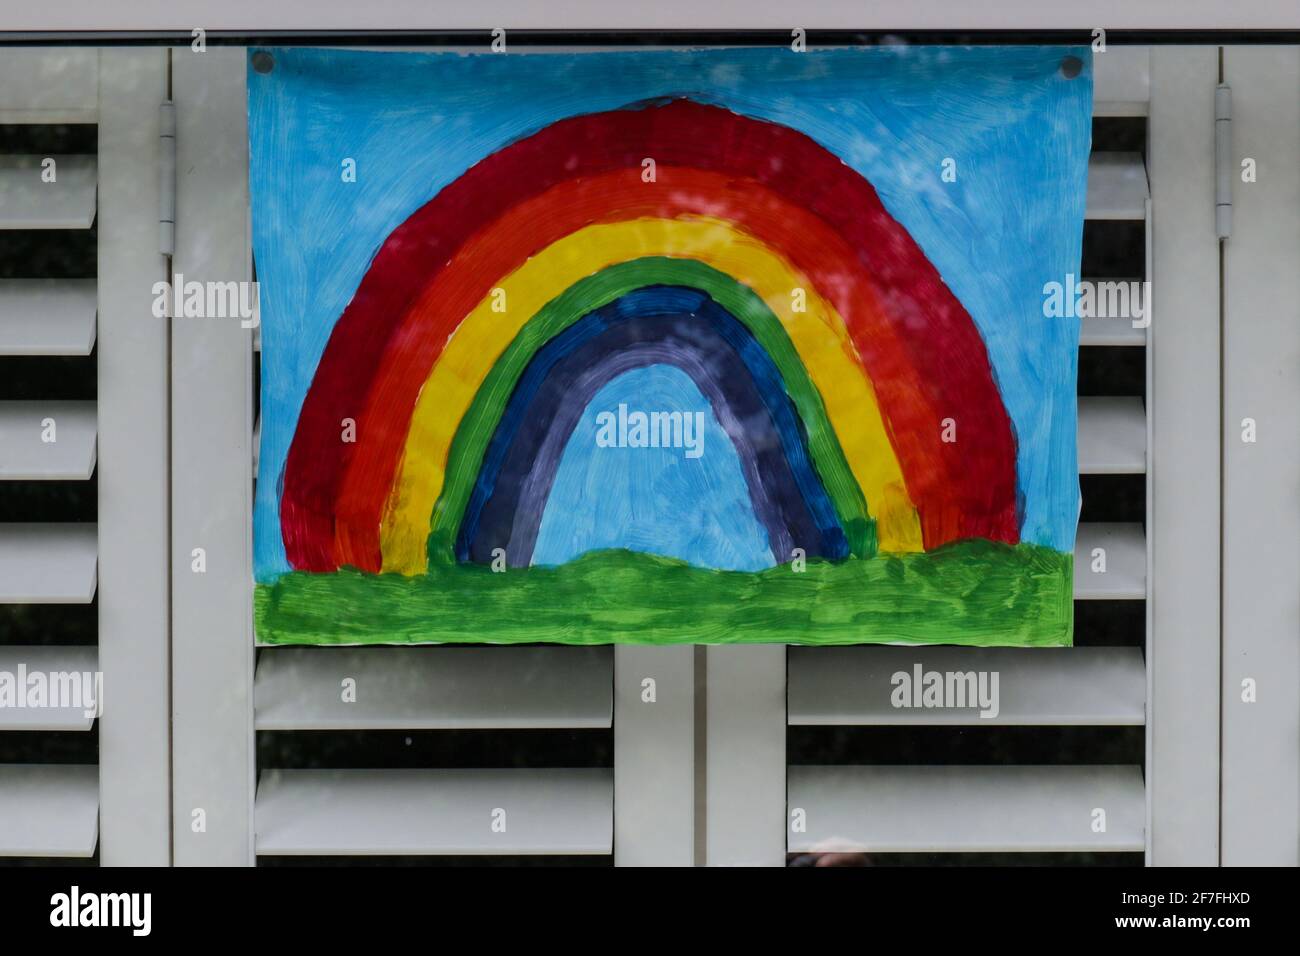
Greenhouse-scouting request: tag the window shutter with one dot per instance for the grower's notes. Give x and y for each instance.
(1030, 779)
(428, 811)
(442, 738)
(49, 782)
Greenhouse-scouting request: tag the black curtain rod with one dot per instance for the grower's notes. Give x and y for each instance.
(634, 38)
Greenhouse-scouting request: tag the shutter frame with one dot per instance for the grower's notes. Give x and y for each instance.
(134, 483)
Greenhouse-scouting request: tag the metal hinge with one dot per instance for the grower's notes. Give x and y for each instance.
(1223, 166)
(167, 178)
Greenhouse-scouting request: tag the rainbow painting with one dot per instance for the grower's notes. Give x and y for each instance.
(698, 346)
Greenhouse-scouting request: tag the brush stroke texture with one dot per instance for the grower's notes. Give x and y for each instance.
(655, 325)
(650, 500)
(972, 592)
(819, 261)
(466, 451)
(414, 123)
(817, 175)
(812, 325)
(918, 345)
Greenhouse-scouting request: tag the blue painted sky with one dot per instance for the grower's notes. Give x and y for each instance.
(1018, 130)
(655, 500)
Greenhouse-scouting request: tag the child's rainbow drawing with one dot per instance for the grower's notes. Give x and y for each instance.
(729, 346)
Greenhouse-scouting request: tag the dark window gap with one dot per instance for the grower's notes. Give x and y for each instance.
(939, 745)
(476, 749)
(49, 624)
(50, 747)
(49, 377)
(1110, 624)
(50, 500)
(1114, 249)
(49, 253)
(48, 139)
(1113, 498)
(47, 861)
(1125, 134)
(1112, 370)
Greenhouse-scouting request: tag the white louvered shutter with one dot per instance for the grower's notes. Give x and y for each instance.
(49, 792)
(267, 765)
(1075, 702)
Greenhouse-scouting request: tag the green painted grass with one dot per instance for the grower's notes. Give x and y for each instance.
(972, 592)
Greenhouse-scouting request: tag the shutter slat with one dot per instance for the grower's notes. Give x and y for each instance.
(1120, 108)
(47, 563)
(1117, 186)
(434, 688)
(1114, 329)
(47, 316)
(1126, 562)
(28, 203)
(1112, 436)
(1111, 331)
(434, 812)
(25, 456)
(48, 810)
(968, 809)
(1121, 82)
(46, 660)
(49, 85)
(1082, 686)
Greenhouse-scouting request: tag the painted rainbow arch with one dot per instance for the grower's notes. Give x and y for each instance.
(754, 260)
